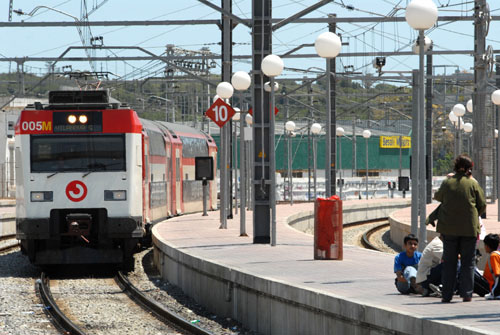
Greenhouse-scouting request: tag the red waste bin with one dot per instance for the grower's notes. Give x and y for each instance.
(328, 228)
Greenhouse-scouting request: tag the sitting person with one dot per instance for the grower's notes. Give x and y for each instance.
(492, 268)
(406, 264)
(429, 268)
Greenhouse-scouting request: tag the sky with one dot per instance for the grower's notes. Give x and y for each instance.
(360, 37)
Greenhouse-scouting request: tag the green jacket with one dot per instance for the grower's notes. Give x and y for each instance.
(462, 201)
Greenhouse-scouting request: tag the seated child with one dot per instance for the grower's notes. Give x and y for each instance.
(406, 264)
(430, 267)
(492, 268)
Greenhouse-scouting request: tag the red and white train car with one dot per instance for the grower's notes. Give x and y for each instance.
(92, 178)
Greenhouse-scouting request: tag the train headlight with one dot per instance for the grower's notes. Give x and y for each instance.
(71, 119)
(119, 195)
(41, 196)
(83, 119)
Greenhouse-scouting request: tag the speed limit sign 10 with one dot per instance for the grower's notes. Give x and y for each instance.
(220, 112)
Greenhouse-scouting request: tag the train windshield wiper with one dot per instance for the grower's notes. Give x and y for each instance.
(60, 170)
(94, 168)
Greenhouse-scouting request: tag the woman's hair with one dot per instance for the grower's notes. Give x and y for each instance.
(463, 164)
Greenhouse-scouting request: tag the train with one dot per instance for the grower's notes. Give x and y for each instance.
(92, 178)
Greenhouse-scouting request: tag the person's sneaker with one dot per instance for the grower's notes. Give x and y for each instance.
(436, 291)
(490, 296)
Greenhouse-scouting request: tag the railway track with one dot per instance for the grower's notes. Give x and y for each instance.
(362, 234)
(64, 320)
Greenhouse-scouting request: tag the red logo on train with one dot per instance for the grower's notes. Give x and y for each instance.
(76, 191)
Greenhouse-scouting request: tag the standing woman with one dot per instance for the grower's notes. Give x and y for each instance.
(462, 202)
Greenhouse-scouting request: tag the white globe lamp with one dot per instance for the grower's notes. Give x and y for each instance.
(421, 14)
(290, 126)
(241, 80)
(367, 134)
(495, 97)
(453, 118)
(427, 45)
(249, 119)
(272, 65)
(315, 128)
(469, 106)
(340, 131)
(328, 45)
(468, 127)
(459, 110)
(267, 86)
(237, 114)
(225, 90)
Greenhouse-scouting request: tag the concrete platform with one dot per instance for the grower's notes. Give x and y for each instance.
(282, 290)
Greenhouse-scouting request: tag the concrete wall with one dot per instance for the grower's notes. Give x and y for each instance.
(363, 211)
(7, 218)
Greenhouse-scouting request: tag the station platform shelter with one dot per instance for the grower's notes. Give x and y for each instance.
(282, 290)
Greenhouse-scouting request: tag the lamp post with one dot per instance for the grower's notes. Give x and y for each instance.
(236, 117)
(340, 132)
(272, 66)
(249, 122)
(315, 130)
(328, 46)
(224, 91)
(459, 111)
(420, 15)
(454, 120)
(241, 81)
(468, 127)
(366, 134)
(289, 128)
(495, 98)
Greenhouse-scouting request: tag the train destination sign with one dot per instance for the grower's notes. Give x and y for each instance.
(220, 112)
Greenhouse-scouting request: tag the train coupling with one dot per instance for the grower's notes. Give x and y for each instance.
(79, 224)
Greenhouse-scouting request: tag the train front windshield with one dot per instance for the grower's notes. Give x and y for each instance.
(60, 153)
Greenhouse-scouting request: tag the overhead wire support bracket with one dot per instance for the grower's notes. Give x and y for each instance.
(298, 15)
(225, 12)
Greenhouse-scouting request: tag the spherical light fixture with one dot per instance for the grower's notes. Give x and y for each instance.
(241, 80)
(459, 110)
(469, 106)
(427, 45)
(272, 65)
(315, 128)
(340, 131)
(453, 118)
(225, 90)
(328, 45)
(237, 114)
(367, 134)
(468, 127)
(249, 119)
(267, 86)
(290, 126)
(495, 97)
(421, 14)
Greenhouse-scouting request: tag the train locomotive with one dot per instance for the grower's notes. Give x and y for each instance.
(92, 178)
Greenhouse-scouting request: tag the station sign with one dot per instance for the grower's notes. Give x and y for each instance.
(220, 112)
(393, 142)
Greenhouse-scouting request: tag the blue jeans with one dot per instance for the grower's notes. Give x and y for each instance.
(408, 273)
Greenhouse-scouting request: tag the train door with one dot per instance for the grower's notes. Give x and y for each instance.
(145, 180)
(178, 180)
(168, 171)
